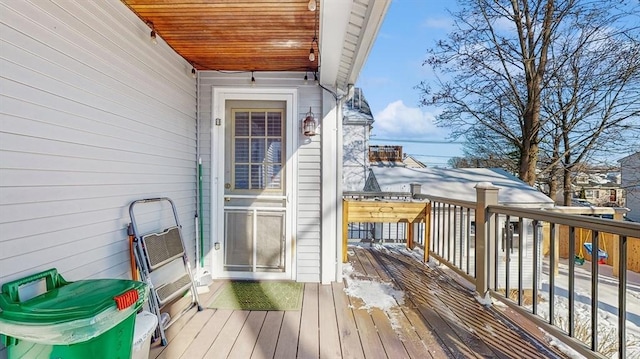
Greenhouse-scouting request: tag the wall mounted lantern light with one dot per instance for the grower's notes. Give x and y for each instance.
(309, 124)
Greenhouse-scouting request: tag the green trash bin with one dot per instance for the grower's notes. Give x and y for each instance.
(91, 319)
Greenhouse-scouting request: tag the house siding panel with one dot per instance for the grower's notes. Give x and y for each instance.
(93, 116)
(308, 214)
(630, 182)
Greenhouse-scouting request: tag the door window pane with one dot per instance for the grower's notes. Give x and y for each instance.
(257, 144)
(242, 150)
(242, 176)
(242, 124)
(274, 124)
(258, 127)
(257, 150)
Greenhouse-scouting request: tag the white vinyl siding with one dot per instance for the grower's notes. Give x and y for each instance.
(306, 234)
(92, 117)
(355, 156)
(630, 182)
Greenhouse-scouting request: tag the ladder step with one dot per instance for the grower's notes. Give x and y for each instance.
(171, 290)
(162, 248)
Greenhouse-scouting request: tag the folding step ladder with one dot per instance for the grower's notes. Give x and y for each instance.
(162, 261)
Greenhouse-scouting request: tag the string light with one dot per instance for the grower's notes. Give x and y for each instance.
(152, 35)
(311, 5)
(312, 53)
(193, 73)
(306, 78)
(315, 78)
(253, 80)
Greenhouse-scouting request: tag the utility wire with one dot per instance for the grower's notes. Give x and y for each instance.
(414, 141)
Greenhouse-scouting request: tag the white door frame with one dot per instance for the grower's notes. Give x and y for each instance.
(218, 123)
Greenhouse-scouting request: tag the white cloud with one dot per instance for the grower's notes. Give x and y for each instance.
(444, 23)
(399, 121)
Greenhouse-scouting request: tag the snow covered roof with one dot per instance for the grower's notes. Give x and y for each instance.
(457, 184)
(356, 109)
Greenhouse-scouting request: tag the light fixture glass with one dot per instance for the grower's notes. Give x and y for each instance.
(312, 55)
(309, 124)
(311, 5)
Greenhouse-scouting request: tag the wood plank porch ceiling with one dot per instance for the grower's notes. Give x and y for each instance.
(236, 35)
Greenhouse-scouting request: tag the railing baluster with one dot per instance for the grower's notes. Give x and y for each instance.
(552, 271)
(536, 234)
(622, 297)
(461, 243)
(455, 226)
(594, 290)
(506, 248)
(469, 240)
(448, 233)
(572, 271)
(436, 245)
(520, 246)
(469, 243)
(496, 262)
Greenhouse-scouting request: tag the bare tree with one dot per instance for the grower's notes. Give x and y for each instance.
(496, 67)
(592, 99)
(484, 148)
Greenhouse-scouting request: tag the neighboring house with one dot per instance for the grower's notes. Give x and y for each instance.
(356, 130)
(602, 195)
(412, 162)
(392, 156)
(630, 182)
(95, 116)
(599, 187)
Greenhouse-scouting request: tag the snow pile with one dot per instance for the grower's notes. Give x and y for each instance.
(568, 351)
(486, 301)
(607, 328)
(373, 294)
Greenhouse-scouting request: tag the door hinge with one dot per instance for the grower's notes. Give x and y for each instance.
(218, 121)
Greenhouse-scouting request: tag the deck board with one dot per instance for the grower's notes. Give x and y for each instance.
(328, 330)
(223, 343)
(203, 341)
(268, 337)
(438, 319)
(371, 343)
(287, 346)
(246, 340)
(350, 344)
(309, 341)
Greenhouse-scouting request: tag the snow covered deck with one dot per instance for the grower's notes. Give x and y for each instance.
(411, 311)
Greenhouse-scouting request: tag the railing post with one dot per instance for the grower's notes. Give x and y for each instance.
(487, 195)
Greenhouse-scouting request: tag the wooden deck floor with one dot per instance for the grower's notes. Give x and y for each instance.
(439, 319)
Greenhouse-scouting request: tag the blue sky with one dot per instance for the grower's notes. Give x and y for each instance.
(394, 68)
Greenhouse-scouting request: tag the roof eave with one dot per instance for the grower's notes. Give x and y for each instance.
(352, 28)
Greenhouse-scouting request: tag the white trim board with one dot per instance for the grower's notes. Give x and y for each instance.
(219, 98)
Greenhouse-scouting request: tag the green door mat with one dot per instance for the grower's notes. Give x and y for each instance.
(246, 295)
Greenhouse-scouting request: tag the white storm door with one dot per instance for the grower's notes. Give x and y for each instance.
(255, 201)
